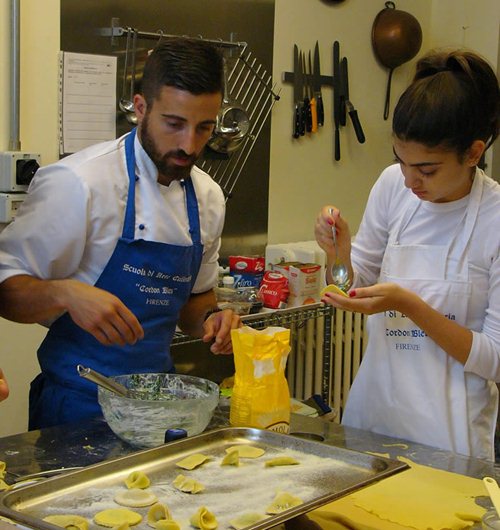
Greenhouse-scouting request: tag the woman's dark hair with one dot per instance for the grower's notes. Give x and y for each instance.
(454, 99)
(193, 65)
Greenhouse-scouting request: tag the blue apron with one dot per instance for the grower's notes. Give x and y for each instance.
(154, 280)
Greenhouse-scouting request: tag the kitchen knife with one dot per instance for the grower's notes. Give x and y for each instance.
(297, 93)
(306, 108)
(344, 89)
(312, 102)
(353, 113)
(317, 86)
(336, 97)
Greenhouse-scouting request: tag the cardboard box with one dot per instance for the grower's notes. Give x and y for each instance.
(304, 280)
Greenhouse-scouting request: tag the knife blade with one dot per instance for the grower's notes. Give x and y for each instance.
(353, 113)
(317, 86)
(297, 92)
(312, 102)
(336, 97)
(306, 108)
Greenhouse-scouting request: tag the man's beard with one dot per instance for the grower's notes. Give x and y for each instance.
(161, 161)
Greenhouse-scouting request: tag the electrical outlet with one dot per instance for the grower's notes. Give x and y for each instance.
(9, 204)
(17, 169)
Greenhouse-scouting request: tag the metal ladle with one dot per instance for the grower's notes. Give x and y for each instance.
(126, 104)
(340, 274)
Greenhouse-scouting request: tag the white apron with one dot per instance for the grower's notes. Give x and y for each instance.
(407, 386)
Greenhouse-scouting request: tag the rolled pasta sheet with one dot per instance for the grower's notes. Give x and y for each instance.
(156, 513)
(137, 479)
(204, 519)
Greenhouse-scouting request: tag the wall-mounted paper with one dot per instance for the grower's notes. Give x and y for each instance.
(87, 100)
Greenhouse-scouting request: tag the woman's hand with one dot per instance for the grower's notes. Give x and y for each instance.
(217, 327)
(4, 387)
(374, 299)
(326, 222)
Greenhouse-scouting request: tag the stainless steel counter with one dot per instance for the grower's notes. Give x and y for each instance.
(89, 442)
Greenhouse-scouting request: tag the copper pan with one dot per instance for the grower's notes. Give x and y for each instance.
(396, 39)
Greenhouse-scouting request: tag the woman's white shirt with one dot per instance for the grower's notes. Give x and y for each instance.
(434, 224)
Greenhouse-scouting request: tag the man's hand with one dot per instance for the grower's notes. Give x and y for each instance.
(100, 313)
(217, 327)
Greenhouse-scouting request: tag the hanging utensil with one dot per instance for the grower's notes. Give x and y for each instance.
(396, 39)
(125, 104)
(298, 125)
(131, 117)
(317, 87)
(336, 97)
(233, 123)
(312, 99)
(347, 105)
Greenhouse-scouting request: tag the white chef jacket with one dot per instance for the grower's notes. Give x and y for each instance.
(436, 224)
(73, 215)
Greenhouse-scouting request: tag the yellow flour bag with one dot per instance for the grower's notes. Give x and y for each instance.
(260, 395)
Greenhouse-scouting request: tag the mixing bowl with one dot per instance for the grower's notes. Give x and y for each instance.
(158, 402)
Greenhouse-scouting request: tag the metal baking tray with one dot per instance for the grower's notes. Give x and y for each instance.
(325, 473)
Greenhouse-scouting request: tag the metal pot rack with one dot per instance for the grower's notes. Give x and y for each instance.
(305, 322)
(249, 84)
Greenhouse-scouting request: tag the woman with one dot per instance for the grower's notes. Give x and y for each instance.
(425, 264)
(4, 387)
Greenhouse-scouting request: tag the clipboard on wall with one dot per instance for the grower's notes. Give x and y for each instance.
(87, 100)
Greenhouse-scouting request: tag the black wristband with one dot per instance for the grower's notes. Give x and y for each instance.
(211, 312)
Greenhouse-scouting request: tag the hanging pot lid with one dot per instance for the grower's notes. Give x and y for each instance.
(396, 39)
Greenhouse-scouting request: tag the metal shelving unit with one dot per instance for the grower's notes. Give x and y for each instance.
(294, 318)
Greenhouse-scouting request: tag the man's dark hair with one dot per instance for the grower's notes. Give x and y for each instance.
(188, 64)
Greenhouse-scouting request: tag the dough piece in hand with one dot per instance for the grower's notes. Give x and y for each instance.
(192, 461)
(3, 466)
(116, 517)
(332, 289)
(167, 524)
(157, 512)
(231, 459)
(246, 451)
(204, 519)
(135, 498)
(282, 461)
(283, 501)
(247, 519)
(137, 479)
(70, 522)
(187, 484)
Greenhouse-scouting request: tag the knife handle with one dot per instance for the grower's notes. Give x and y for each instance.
(357, 126)
(307, 115)
(296, 121)
(314, 116)
(337, 144)
(320, 110)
